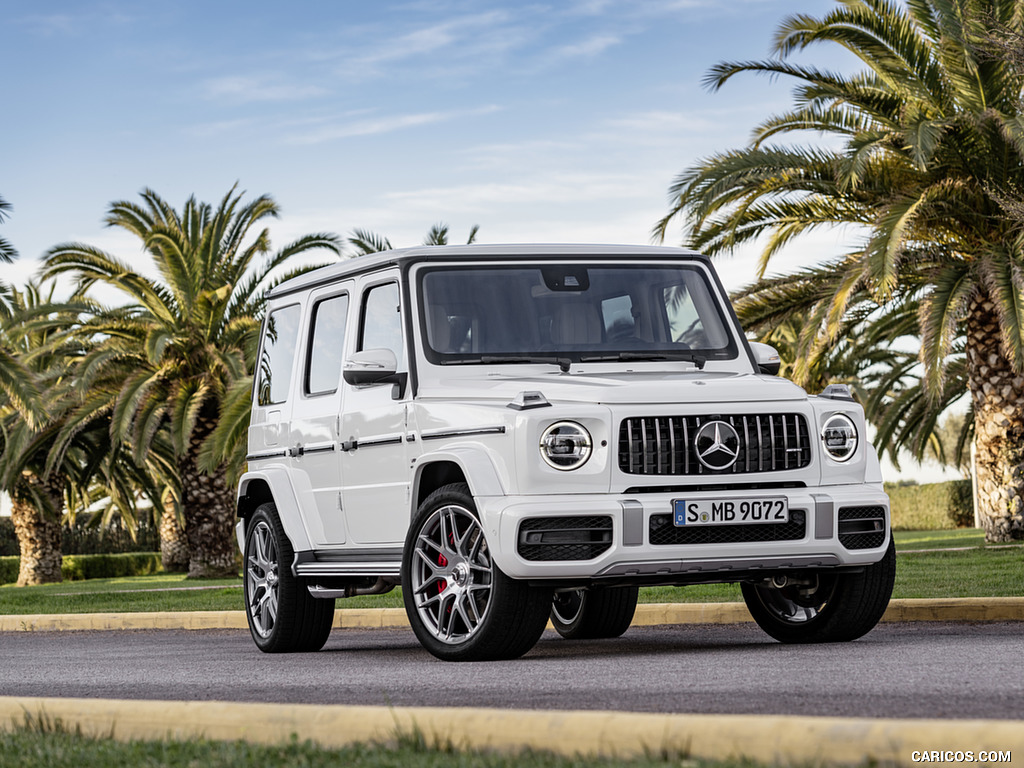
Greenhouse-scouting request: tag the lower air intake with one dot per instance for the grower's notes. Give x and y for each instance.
(564, 538)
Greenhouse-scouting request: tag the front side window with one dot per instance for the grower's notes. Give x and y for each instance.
(381, 325)
(579, 312)
(326, 345)
(277, 356)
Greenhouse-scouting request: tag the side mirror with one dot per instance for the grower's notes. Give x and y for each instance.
(371, 366)
(766, 357)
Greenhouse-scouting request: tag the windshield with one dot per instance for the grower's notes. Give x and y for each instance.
(562, 313)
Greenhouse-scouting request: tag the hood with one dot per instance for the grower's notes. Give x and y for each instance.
(617, 388)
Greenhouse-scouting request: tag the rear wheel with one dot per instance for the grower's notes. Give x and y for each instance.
(830, 608)
(459, 603)
(282, 615)
(586, 614)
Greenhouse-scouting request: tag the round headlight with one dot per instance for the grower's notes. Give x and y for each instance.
(566, 445)
(839, 437)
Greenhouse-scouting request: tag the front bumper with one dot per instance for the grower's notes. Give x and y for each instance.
(631, 554)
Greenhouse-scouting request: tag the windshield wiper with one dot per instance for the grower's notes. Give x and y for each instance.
(621, 357)
(562, 362)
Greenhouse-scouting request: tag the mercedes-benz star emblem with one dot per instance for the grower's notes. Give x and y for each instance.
(717, 444)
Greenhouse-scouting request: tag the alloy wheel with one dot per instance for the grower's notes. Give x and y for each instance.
(452, 574)
(261, 579)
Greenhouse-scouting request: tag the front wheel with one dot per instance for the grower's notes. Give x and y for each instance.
(830, 608)
(590, 614)
(460, 605)
(282, 615)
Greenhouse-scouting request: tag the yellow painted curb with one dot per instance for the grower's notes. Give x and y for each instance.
(654, 614)
(957, 609)
(647, 614)
(782, 739)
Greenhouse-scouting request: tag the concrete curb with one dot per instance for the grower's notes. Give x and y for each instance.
(647, 614)
(786, 740)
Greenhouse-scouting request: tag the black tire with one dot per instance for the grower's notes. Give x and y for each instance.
(283, 617)
(842, 607)
(590, 614)
(459, 603)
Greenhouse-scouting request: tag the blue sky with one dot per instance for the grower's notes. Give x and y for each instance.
(541, 122)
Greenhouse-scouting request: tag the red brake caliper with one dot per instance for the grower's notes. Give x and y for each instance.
(443, 562)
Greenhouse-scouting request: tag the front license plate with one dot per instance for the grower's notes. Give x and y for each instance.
(730, 511)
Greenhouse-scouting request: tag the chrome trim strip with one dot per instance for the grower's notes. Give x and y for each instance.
(282, 454)
(390, 440)
(670, 567)
(319, 448)
(461, 433)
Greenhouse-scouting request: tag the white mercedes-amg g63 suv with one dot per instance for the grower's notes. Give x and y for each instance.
(515, 433)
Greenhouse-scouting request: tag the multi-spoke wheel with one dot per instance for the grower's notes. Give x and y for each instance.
(282, 615)
(585, 614)
(823, 607)
(460, 605)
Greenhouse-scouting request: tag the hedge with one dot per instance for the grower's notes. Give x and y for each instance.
(84, 539)
(932, 506)
(8, 539)
(79, 567)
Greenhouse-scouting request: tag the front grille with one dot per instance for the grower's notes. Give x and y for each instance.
(663, 533)
(665, 445)
(862, 527)
(564, 538)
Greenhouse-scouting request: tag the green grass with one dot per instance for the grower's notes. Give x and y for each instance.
(52, 745)
(956, 537)
(977, 572)
(127, 594)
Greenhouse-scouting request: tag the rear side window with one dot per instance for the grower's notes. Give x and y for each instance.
(273, 373)
(326, 345)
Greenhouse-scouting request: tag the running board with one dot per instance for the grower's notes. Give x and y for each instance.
(378, 561)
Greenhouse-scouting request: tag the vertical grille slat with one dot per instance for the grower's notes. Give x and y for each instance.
(663, 445)
(785, 443)
(686, 448)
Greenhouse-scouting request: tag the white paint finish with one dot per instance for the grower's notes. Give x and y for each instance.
(461, 415)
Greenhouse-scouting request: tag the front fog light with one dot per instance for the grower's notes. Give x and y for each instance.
(839, 437)
(566, 445)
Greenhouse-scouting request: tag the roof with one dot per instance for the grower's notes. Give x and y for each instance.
(449, 253)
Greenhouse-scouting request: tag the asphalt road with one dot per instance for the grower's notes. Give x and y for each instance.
(899, 670)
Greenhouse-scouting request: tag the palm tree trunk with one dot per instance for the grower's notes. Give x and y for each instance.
(998, 395)
(173, 542)
(39, 530)
(208, 506)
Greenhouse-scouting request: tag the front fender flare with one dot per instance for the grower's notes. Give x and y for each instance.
(476, 464)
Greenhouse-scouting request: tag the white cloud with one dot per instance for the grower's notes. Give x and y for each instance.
(432, 38)
(595, 46)
(388, 124)
(240, 89)
(551, 188)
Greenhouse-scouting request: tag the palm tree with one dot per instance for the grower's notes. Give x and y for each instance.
(364, 242)
(873, 351)
(16, 384)
(925, 146)
(37, 474)
(7, 252)
(185, 340)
